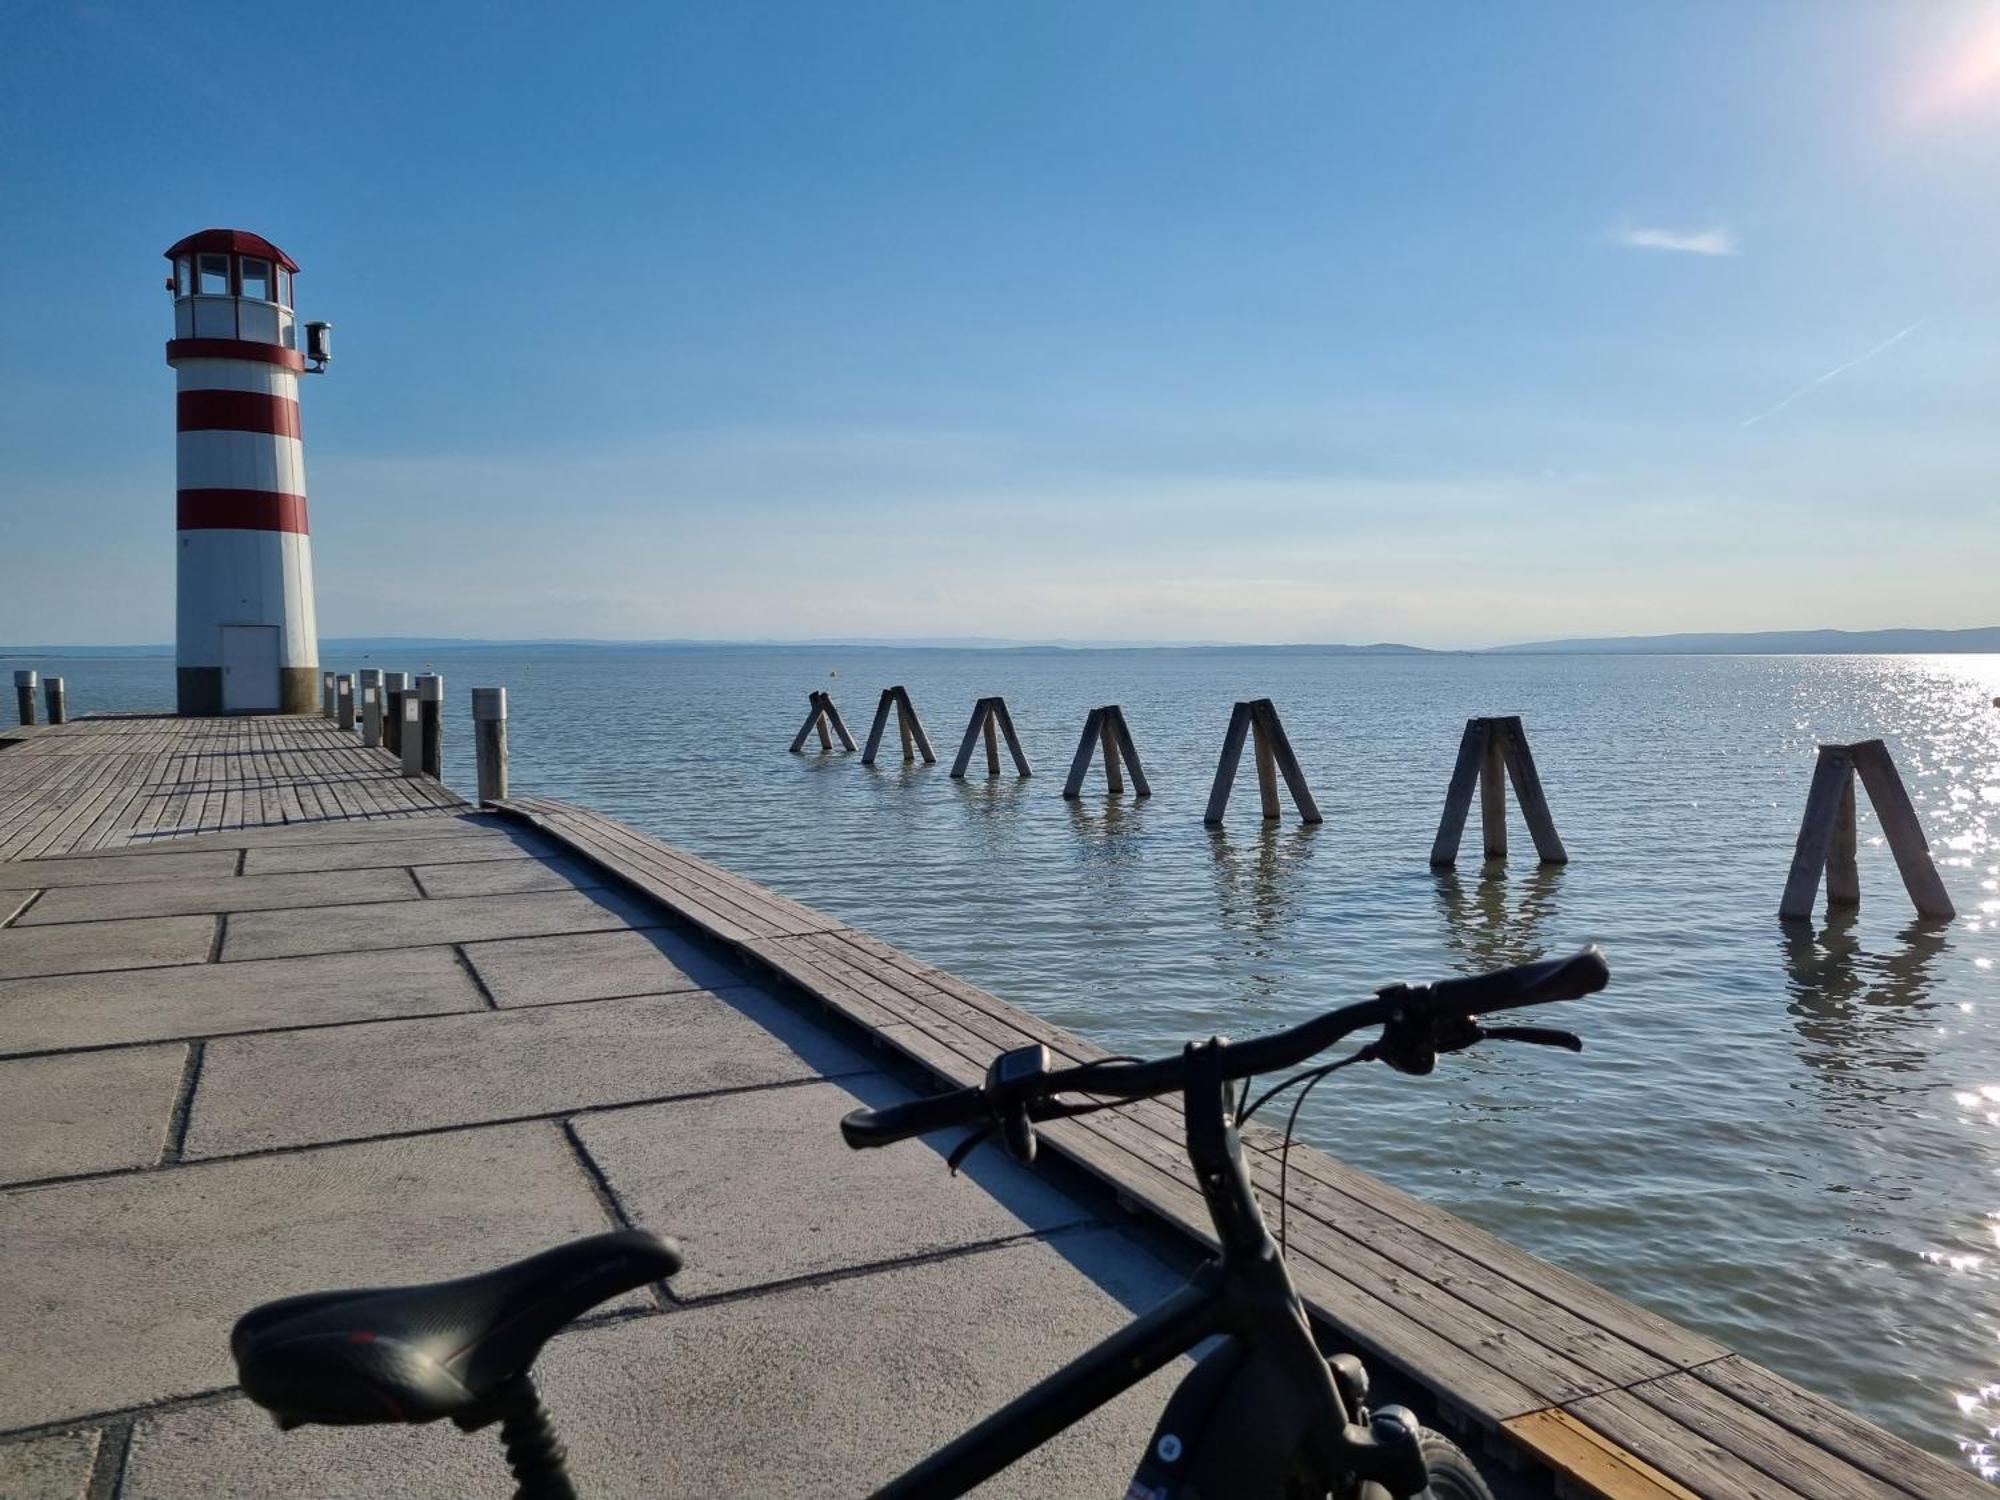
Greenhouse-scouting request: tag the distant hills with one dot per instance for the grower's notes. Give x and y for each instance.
(1710, 643)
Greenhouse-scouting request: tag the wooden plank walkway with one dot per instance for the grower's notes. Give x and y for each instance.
(103, 783)
(1616, 1401)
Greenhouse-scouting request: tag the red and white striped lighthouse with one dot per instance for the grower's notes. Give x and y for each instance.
(246, 639)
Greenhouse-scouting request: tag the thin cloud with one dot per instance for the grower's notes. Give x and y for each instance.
(1716, 241)
(1841, 369)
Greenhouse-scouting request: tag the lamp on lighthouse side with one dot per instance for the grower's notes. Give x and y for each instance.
(246, 639)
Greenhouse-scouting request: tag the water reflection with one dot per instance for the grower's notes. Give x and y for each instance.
(1862, 1016)
(1259, 880)
(1487, 929)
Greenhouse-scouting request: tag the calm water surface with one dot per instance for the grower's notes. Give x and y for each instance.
(1790, 1140)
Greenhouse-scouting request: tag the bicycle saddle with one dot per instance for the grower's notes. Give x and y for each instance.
(417, 1353)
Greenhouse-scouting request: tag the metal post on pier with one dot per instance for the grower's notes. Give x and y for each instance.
(489, 741)
(55, 694)
(326, 695)
(24, 695)
(430, 715)
(410, 733)
(371, 714)
(394, 685)
(343, 690)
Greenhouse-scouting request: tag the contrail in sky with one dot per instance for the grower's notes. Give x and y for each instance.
(1888, 343)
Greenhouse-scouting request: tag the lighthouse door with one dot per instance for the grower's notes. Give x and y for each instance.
(249, 669)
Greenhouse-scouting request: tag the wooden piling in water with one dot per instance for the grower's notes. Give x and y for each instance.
(489, 741)
(55, 697)
(394, 686)
(1258, 720)
(1106, 727)
(819, 715)
(1492, 752)
(1827, 838)
(908, 726)
(430, 716)
(987, 714)
(343, 692)
(24, 696)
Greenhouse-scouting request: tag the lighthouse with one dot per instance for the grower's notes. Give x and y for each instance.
(245, 640)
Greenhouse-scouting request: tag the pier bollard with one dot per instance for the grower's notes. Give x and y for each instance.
(1491, 752)
(821, 714)
(430, 714)
(1827, 835)
(371, 714)
(24, 696)
(987, 714)
(55, 696)
(489, 741)
(410, 733)
(908, 725)
(1106, 726)
(326, 705)
(343, 697)
(394, 685)
(1258, 719)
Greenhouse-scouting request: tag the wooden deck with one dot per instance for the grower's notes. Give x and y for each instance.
(112, 782)
(1614, 1400)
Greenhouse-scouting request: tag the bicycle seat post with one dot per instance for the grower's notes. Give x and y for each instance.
(534, 1452)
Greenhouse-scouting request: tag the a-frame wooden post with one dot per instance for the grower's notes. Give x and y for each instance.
(1827, 836)
(1106, 726)
(822, 713)
(1492, 752)
(908, 725)
(1258, 718)
(986, 714)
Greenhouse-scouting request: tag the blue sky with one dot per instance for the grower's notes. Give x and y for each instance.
(1441, 323)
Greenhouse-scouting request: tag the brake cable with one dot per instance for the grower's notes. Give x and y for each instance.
(1311, 1079)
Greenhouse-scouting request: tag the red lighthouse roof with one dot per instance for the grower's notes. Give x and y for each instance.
(240, 241)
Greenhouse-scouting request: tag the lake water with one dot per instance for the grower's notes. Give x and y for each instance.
(1790, 1140)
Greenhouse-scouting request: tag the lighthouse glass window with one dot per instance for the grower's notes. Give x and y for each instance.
(212, 275)
(257, 279)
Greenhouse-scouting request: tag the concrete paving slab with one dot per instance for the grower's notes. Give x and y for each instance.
(28, 874)
(122, 1290)
(230, 893)
(86, 1111)
(452, 846)
(504, 877)
(345, 1082)
(87, 947)
(595, 966)
(144, 1005)
(406, 924)
(48, 1468)
(815, 1206)
(808, 1392)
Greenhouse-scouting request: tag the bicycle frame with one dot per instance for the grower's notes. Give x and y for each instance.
(1245, 1293)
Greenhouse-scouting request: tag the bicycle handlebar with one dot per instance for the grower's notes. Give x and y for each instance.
(1582, 973)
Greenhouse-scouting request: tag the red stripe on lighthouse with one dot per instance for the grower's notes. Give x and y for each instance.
(240, 510)
(238, 411)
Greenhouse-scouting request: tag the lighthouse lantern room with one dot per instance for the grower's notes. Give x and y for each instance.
(246, 640)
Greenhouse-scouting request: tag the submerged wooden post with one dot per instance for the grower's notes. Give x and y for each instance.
(1106, 727)
(55, 694)
(430, 716)
(24, 695)
(326, 695)
(987, 714)
(1258, 719)
(908, 725)
(820, 715)
(1492, 752)
(410, 733)
(394, 685)
(489, 741)
(1827, 835)
(343, 690)
(371, 714)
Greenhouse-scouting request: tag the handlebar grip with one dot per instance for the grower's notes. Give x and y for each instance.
(865, 1128)
(1584, 972)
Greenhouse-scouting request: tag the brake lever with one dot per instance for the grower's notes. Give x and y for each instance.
(1540, 1036)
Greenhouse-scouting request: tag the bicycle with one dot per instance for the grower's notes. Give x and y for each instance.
(1262, 1414)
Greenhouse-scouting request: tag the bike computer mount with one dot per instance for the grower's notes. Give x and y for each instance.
(1004, 1089)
